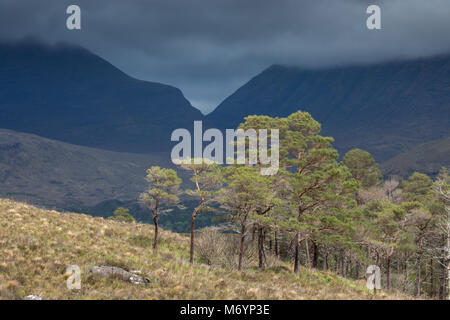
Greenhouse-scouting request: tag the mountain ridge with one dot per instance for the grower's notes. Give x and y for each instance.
(60, 175)
(413, 97)
(67, 93)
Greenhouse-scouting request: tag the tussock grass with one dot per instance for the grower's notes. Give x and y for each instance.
(36, 247)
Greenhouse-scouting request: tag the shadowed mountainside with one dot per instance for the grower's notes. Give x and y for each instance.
(67, 93)
(426, 158)
(53, 173)
(385, 108)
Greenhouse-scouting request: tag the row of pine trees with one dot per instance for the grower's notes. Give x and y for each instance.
(333, 215)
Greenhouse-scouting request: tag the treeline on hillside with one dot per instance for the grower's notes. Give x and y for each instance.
(317, 212)
(175, 218)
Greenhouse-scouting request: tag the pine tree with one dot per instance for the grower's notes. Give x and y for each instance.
(164, 184)
(122, 214)
(315, 179)
(363, 167)
(245, 197)
(386, 222)
(263, 217)
(207, 179)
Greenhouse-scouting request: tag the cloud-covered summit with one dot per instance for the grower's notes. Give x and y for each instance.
(210, 48)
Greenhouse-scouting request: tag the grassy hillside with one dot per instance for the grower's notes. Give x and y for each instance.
(426, 158)
(37, 245)
(62, 175)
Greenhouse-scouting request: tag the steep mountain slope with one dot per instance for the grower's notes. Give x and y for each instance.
(38, 246)
(59, 175)
(67, 93)
(384, 109)
(53, 173)
(427, 158)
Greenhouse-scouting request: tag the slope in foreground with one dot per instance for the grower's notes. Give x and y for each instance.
(38, 245)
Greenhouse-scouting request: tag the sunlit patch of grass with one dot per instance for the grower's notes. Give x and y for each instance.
(141, 241)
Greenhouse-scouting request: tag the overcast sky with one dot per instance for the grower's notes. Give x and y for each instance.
(209, 48)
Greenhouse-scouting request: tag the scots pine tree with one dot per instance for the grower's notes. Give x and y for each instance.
(164, 184)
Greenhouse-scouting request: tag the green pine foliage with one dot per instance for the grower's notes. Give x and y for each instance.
(122, 214)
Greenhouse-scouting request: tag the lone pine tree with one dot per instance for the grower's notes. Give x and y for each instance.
(164, 184)
(207, 179)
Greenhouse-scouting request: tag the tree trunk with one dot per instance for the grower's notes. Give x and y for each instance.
(276, 245)
(418, 276)
(308, 259)
(194, 215)
(405, 273)
(191, 258)
(358, 199)
(261, 253)
(442, 278)
(316, 255)
(348, 269)
(155, 240)
(296, 254)
(325, 261)
(431, 278)
(241, 247)
(388, 272)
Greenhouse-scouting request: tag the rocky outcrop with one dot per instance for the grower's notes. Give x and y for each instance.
(118, 273)
(32, 297)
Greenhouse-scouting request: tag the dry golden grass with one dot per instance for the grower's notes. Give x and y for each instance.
(36, 246)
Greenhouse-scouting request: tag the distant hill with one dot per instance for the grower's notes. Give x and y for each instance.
(61, 175)
(67, 93)
(385, 108)
(427, 158)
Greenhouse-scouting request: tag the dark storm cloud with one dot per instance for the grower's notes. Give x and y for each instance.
(208, 48)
